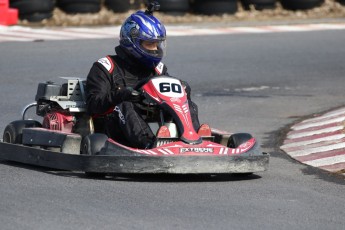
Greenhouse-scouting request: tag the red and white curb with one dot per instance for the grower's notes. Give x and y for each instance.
(319, 141)
(19, 33)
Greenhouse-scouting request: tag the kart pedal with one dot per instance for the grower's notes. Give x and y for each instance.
(204, 130)
(163, 132)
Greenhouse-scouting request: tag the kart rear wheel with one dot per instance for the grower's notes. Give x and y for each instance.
(92, 144)
(13, 132)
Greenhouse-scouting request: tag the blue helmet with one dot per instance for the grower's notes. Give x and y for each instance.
(140, 27)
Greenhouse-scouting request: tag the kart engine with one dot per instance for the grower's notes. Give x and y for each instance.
(58, 121)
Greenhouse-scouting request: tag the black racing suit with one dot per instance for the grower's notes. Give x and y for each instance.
(108, 99)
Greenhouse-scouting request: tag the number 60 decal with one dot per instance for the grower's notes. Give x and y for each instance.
(166, 87)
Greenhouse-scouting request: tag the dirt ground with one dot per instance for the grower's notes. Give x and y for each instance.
(330, 9)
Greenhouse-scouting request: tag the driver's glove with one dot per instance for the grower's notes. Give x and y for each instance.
(133, 95)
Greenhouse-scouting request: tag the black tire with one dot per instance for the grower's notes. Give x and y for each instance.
(36, 17)
(32, 6)
(13, 132)
(301, 4)
(118, 6)
(174, 6)
(33, 10)
(259, 4)
(237, 139)
(342, 2)
(93, 143)
(136, 4)
(215, 7)
(79, 6)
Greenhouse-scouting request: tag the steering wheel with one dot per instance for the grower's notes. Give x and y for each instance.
(141, 83)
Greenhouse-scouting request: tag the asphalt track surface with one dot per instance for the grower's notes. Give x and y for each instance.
(257, 83)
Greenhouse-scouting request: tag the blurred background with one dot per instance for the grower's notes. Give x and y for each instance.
(113, 12)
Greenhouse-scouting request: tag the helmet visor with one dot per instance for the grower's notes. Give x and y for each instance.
(153, 48)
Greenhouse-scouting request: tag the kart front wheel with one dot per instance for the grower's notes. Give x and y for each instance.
(13, 132)
(237, 139)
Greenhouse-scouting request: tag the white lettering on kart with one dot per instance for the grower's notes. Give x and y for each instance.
(197, 150)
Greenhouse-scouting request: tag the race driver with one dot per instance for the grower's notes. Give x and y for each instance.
(111, 99)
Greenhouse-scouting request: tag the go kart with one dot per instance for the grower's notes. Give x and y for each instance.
(66, 138)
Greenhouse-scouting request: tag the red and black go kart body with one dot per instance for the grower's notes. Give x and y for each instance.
(66, 139)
